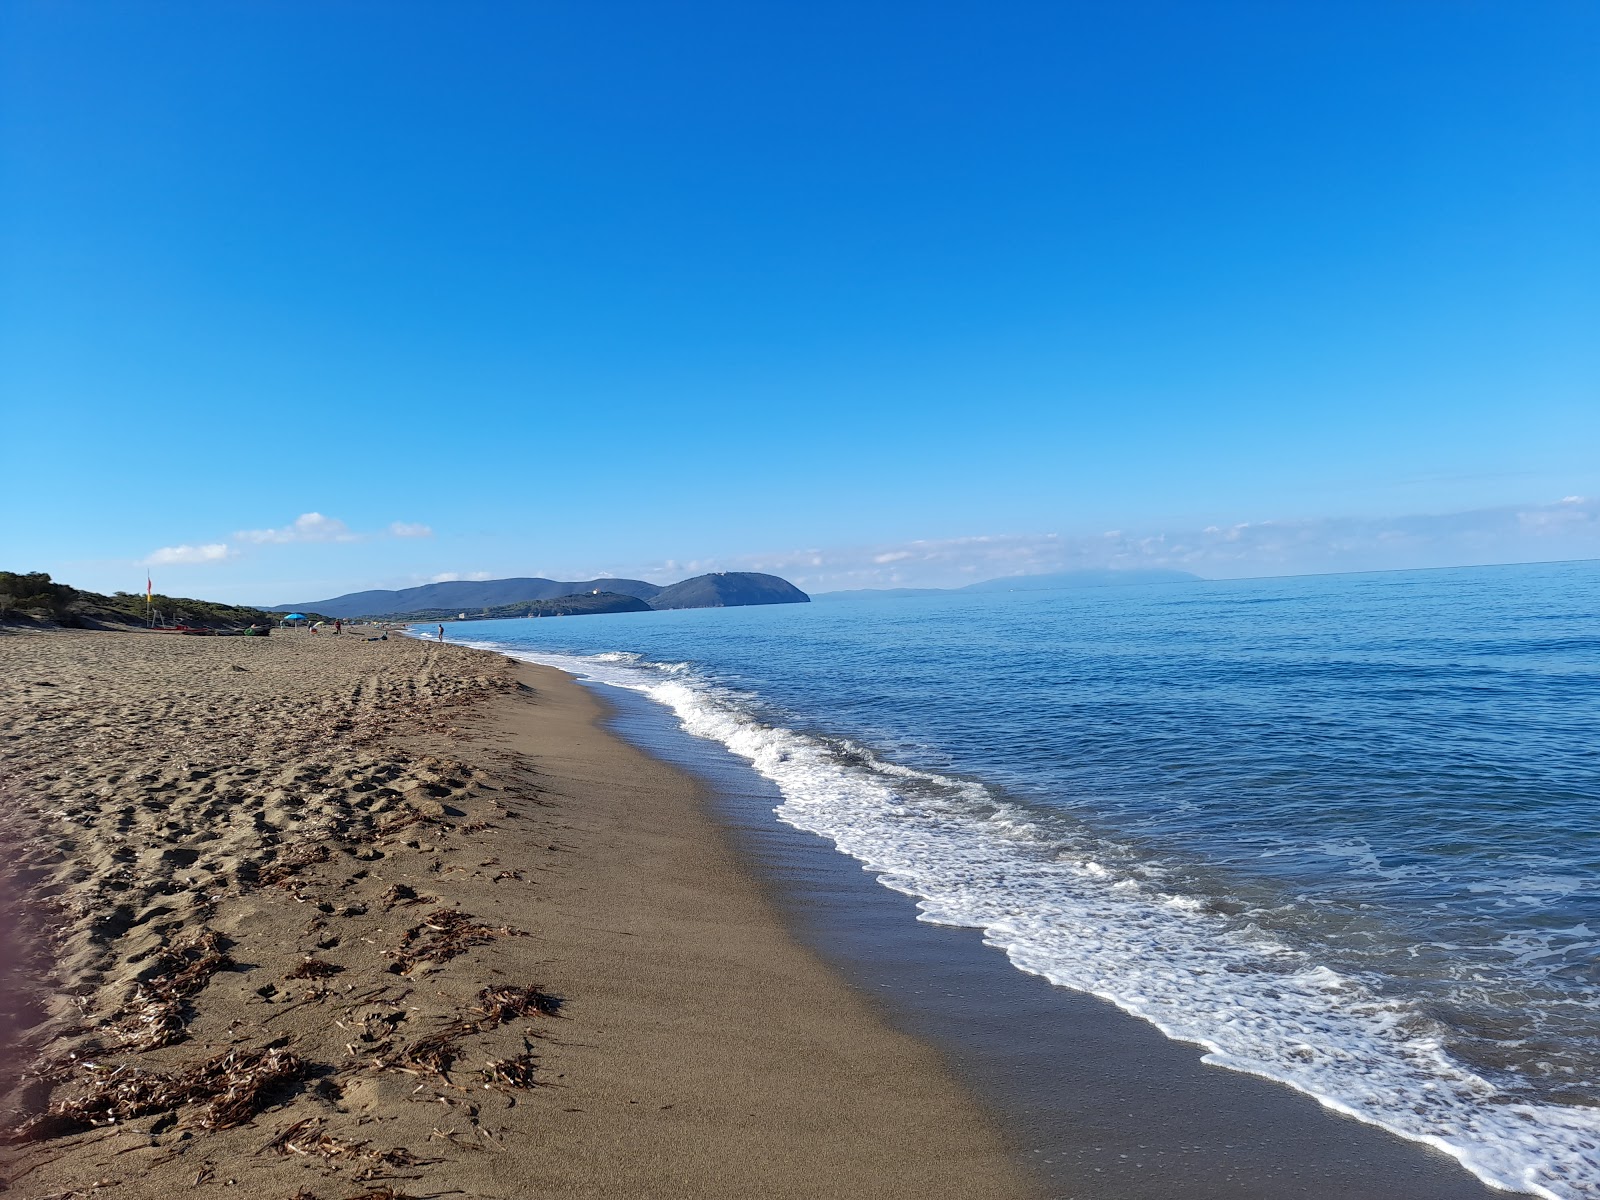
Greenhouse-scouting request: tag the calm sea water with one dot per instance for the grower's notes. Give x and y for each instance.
(1342, 831)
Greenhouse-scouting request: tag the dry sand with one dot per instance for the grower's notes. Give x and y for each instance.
(323, 917)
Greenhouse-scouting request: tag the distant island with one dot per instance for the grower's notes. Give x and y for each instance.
(492, 598)
(1105, 577)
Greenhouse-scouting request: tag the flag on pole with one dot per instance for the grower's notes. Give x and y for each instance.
(147, 587)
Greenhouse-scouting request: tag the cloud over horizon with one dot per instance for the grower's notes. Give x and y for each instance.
(311, 527)
(307, 527)
(1569, 528)
(1565, 529)
(188, 555)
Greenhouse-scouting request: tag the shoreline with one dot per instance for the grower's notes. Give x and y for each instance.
(1051, 1061)
(340, 916)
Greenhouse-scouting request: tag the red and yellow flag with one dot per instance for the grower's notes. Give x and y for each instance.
(147, 587)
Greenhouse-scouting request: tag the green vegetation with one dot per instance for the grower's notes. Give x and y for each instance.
(35, 597)
(34, 592)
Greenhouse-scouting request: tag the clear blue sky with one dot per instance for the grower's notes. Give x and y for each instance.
(648, 287)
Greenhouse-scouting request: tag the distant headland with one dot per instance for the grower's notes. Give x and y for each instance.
(490, 598)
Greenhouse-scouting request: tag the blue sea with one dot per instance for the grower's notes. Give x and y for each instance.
(1341, 831)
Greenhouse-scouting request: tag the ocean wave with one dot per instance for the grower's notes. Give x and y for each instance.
(1087, 915)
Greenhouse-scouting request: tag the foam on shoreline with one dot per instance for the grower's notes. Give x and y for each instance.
(1077, 912)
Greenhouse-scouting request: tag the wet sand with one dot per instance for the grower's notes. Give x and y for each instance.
(323, 917)
(1099, 1103)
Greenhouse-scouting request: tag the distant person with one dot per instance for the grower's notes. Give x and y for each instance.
(338, 625)
(441, 633)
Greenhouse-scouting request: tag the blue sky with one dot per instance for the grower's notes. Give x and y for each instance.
(297, 299)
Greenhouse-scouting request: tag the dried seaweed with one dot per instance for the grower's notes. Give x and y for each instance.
(442, 935)
(190, 965)
(502, 1004)
(151, 1023)
(402, 893)
(438, 1050)
(155, 1016)
(241, 1080)
(234, 1083)
(395, 824)
(283, 1141)
(292, 863)
(517, 1072)
(307, 1137)
(314, 968)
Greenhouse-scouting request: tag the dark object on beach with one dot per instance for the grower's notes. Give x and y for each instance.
(502, 1004)
(235, 1083)
(314, 968)
(404, 893)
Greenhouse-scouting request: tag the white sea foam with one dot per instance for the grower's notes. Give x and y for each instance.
(1084, 920)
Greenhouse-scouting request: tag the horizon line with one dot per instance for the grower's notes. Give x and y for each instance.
(1535, 562)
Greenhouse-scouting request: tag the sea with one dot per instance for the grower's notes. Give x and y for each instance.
(1343, 831)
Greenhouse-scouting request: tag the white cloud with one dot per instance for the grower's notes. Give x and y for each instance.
(455, 576)
(188, 555)
(307, 527)
(311, 527)
(1569, 528)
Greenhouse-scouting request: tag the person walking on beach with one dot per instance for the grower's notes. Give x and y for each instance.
(338, 625)
(441, 633)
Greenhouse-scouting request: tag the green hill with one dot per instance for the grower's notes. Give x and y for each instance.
(729, 589)
(513, 597)
(566, 606)
(34, 599)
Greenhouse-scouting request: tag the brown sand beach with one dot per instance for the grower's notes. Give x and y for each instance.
(322, 917)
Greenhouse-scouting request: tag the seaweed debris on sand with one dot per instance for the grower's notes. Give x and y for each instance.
(323, 917)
